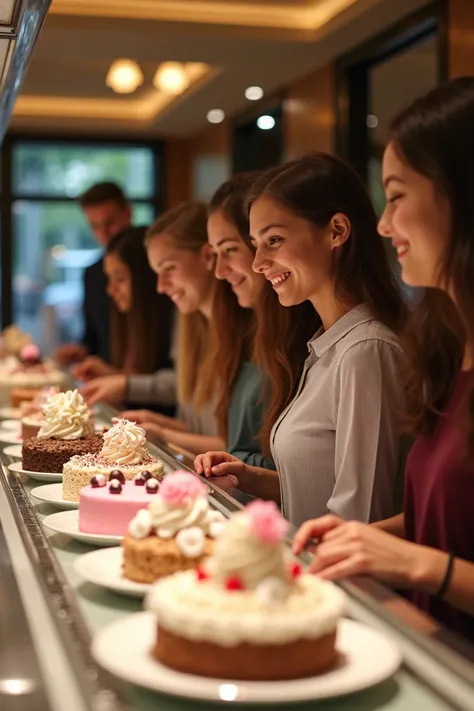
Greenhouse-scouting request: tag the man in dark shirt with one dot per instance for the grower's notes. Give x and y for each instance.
(108, 212)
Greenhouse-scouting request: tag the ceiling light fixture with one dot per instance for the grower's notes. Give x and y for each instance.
(216, 116)
(254, 93)
(171, 78)
(265, 122)
(372, 121)
(124, 76)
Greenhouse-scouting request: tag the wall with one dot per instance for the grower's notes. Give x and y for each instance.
(309, 113)
(460, 38)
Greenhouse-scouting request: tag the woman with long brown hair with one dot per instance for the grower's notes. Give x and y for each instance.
(336, 445)
(428, 174)
(141, 320)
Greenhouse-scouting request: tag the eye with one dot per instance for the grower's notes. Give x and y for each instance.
(394, 199)
(273, 241)
(231, 250)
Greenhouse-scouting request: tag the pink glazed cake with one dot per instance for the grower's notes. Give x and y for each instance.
(106, 507)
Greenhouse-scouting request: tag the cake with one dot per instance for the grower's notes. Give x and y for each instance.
(106, 507)
(19, 396)
(23, 377)
(248, 612)
(32, 412)
(66, 431)
(175, 533)
(123, 449)
(12, 340)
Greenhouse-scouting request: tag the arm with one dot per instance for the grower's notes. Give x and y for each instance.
(192, 442)
(369, 396)
(158, 388)
(260, 482)
(394, 525)
(147, 417)
(254, 459)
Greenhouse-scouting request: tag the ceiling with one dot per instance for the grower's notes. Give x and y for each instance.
(269, 43)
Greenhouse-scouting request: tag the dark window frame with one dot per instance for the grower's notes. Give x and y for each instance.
(8, 196)
(352, 93)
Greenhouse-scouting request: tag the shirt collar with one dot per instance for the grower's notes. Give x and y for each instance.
(322, 341)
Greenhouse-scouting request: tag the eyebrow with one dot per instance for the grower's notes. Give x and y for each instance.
(392, 179)
(271, 227)
(227, 239)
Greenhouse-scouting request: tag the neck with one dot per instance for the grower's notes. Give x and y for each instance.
(468, 359)
(206, 307)
(329, 308)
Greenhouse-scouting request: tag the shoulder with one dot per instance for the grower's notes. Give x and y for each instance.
(95, 272)
(367, 344)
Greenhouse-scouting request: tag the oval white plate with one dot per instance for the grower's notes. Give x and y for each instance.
(104, 567)
(67, 522)
(53, 494)
(14, 425)
(367, 658)
(13, 450)
(6, 413)
(10, 437)
(17, 468)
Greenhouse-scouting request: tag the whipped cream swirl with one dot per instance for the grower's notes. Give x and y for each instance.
(167, 520)
(124, 443)
(239, 553)
(66, 416)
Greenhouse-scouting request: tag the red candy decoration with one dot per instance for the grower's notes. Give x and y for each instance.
(295, 570)
(201, 574)
(234, 583)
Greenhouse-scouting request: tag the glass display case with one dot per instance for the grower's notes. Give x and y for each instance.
(49, 615)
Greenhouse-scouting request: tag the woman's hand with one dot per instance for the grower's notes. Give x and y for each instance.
(354, 548)
(110, 388)
(92, 367)
(221, 464)
(69, 353)
(140, 416)
(154, 431)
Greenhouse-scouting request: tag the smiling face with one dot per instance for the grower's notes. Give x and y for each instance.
(119, 282)
(185, 276)
(292, 253)
(233, 260)
(416, 219)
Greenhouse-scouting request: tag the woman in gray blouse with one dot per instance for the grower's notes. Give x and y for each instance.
(336, 433)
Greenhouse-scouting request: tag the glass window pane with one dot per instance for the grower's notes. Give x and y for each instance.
(41, 169)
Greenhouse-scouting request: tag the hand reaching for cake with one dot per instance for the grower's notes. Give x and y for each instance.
(110, 388)
(220, 464)
(92, 367)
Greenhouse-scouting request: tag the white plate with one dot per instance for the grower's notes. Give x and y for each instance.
(53, 494)
(13, 450)
(17, 468)
(14, 425)
(8, 412)
(10, 437)
(67, 522)
(367, 658)
(104, 567)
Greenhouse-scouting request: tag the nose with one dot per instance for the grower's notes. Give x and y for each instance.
(385, 224)
(221, 269)
(160, 284)
(260, 263)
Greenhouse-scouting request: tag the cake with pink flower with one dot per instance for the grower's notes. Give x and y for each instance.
(23, 377)
(175, 532)
(248, 612)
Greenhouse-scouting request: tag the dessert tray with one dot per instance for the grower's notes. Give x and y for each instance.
(67, 522)
(13, 450)
(367, 657)
(104, 568)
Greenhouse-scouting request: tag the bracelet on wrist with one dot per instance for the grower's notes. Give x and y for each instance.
(447, 577)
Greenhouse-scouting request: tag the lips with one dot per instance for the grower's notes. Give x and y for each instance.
(401, 248)
(278, 279)
(236, 284)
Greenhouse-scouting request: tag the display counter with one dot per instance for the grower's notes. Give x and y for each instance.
(48, 616)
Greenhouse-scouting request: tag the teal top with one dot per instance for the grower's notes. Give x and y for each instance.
(245, 417)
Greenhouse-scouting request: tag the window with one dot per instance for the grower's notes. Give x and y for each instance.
(51, 241)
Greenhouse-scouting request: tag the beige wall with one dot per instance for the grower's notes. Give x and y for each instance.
(309, 114)
(460, 38)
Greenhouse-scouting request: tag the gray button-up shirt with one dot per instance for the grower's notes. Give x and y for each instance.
(336, 446)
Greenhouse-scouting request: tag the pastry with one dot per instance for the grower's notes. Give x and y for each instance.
(176, 532)
(248, 612)
(123, 448)
(66, 431)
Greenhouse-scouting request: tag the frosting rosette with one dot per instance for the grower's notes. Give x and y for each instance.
(124, 443)
(66, 416)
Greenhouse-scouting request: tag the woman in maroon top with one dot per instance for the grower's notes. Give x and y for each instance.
(428, 173)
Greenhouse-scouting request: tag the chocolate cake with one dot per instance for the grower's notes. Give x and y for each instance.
(49, 455)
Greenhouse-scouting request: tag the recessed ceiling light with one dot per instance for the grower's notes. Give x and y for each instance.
(372, 121)
(266, 122)
(124, 76)
(216, 116)
(171, 78)
(254, 93)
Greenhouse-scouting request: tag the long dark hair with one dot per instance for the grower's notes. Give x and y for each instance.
(435, 137)
(233, 327)
(315, 188)
(146, 328)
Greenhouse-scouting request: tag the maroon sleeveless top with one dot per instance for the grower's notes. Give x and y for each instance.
(439, 498)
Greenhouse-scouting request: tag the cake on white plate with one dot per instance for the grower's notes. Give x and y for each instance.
(124, 454)
(23, 377)
(248, 612)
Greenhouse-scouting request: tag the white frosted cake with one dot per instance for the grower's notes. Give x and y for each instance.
(248, 612)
